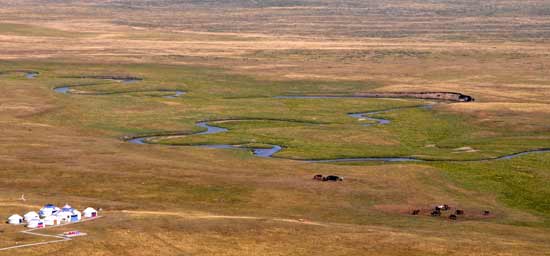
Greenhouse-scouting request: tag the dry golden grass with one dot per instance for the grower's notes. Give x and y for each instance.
(161, 200)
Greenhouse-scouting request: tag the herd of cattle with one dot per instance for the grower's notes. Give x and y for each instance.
(436, 212)
(320, 177)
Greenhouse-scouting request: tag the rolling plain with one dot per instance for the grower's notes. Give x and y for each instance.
(232, 60)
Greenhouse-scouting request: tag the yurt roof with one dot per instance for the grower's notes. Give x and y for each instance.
(67, 209)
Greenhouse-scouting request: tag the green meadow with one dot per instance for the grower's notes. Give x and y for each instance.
(173, 174)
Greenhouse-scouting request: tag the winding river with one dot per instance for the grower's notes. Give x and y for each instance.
(273, 149)
(270, 150)
(29, 74)
(127, 80)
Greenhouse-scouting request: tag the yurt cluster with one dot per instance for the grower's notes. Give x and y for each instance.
(50, 215)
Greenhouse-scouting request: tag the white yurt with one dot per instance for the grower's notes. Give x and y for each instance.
(90, 212)
(35, 223)
(69, 214)
(15, 219)
(48, 210)
(52, 220)
(30, 216)
(77, 215)
(64, 216)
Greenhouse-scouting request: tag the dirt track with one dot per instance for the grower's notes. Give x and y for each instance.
(199, 215)
(58, 238)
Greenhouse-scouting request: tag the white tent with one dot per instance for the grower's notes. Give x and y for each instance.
(36, 223)
(77, 215)
(30, 216)
(52, 220)
(69, 214)
(90, 212)
(64, 216)
(48, 210)
(15, 219)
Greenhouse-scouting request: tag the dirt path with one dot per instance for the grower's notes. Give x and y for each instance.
(199, 215)
(58, 238)
(11, 203)
(30, 232)
(189, 215)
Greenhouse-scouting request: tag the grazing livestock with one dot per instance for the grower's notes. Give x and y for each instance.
(415, 212)
(444, 207)
(333, 178)
(318, 177)
(486, 213)
(465, 98)
(435, 213)
(452, 217)
(459, 212)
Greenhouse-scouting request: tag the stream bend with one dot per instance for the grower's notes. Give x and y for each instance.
(270, 150)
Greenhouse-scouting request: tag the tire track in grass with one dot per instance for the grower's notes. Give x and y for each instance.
(199, 215)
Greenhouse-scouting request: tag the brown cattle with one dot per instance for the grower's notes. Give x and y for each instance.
(436, 213)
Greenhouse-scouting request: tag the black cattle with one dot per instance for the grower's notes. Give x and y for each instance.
(333, 178)
(486, 213)
(318, 177)
(459, 212)
(465, 98)
(415, 212)
(452, 217)
(436, 213)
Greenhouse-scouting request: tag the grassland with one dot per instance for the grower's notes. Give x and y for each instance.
(130, 177)
(160, 199)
